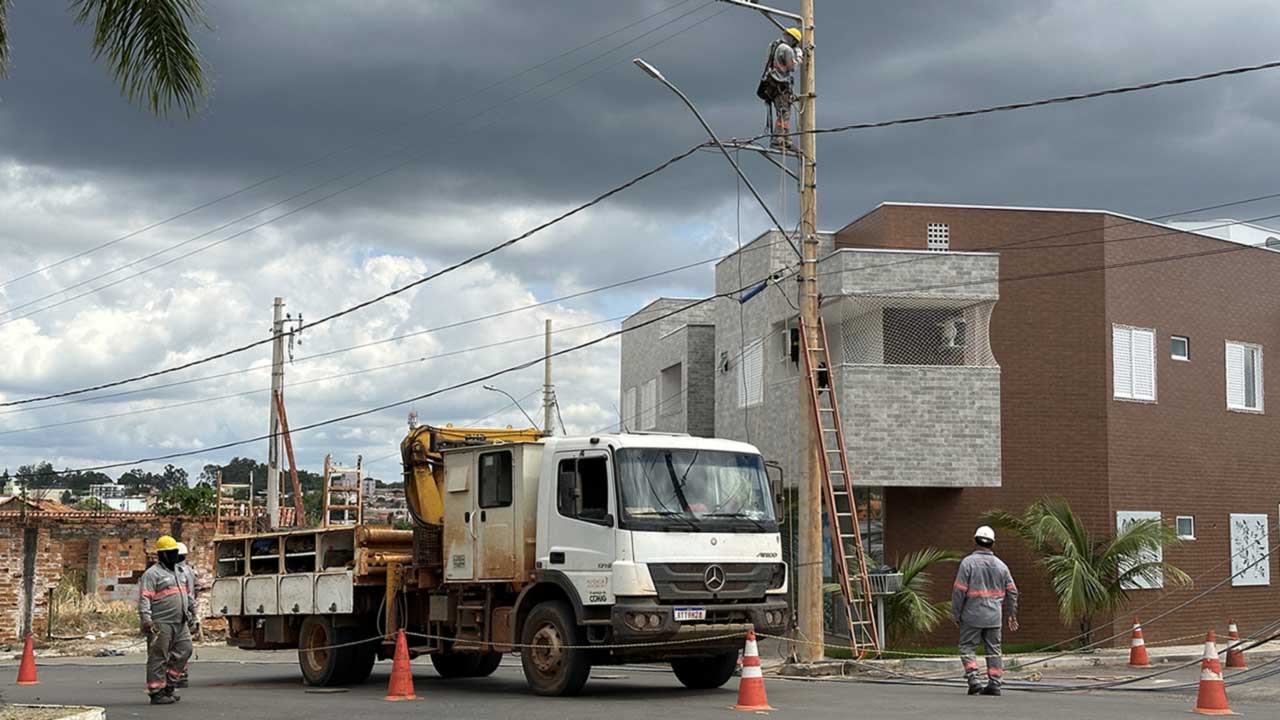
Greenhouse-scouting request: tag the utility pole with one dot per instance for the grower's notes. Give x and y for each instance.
(277, 385)
(809, 570)
(548, 394)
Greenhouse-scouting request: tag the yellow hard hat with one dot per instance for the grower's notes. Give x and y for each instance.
(166, 542)
(795, 33)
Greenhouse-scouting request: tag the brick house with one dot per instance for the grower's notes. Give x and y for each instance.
(1128, 362)
(1133, 384)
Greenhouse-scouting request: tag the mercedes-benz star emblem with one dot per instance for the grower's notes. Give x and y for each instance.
(713, 578)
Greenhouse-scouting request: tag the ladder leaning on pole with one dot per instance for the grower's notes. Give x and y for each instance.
(848, 559)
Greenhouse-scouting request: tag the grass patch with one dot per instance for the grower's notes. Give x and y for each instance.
(75, 613)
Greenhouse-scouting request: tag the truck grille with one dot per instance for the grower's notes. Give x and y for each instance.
(684, 582)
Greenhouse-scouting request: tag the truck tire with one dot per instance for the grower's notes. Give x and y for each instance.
(455, 664)
(322, 664)
(359, 658)
(550, 667)
(488, 664)
(705, 673)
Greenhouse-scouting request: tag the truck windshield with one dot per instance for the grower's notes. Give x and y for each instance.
(694, 490)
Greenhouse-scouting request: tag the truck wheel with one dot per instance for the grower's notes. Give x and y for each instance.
(705, 673)
(322, 664)
(359, 658)
(455, 664)
(488, 664)
(551, 667)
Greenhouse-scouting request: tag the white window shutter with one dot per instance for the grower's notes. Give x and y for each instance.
(1143, 357)
(1235, 375)
(649, 405)
(1122, 360)
(751, 375)
(629, 409)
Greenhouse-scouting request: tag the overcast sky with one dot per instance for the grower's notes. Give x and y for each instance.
(315, 96)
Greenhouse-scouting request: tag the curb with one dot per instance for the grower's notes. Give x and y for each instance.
(78, 712)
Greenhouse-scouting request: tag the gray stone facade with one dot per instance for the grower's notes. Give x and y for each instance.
(676, 355)
(920, 408)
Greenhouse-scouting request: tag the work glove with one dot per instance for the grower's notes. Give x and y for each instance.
(148, 628)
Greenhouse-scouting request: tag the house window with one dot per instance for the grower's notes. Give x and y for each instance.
(939, 237)
(1186, 527)
(751, 375)
(1153, 580)
(1133, 363)
(669, 391)
(582, 488)
(1244, 377)
(1180, 348)
(649, 405)
(629, 410)
(495, 479)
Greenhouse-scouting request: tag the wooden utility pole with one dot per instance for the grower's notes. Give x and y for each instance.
(548, 394)
(809, 552)
(277, 386)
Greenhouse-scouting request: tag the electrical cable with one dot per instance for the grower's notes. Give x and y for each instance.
(333, 153)
(392, 293)
(310, 381)
(394, 338)
(396, 152)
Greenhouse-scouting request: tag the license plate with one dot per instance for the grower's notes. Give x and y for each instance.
(690, 613)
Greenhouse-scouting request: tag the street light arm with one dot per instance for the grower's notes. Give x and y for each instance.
(656, 74)
(514, 401)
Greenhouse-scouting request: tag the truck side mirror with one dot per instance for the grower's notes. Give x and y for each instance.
(779, 489)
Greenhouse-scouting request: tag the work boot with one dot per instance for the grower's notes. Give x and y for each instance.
(974, 688)
(991, 689)
(782, 142)
(163, 699)
(181, 683)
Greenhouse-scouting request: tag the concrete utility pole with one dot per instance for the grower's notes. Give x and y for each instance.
(548, 394)
(277, 386)
(809, 570)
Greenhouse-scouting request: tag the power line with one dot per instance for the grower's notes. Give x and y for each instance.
(359, 306)
(291, 170)
(393, 153)
(1058, 100)
(311, 381)
(394, 338)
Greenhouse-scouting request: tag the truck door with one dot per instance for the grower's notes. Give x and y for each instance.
(495, 534)
(581, 540)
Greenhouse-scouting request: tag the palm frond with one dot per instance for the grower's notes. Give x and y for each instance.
(150, 48)
(909, 611)
(4, 38)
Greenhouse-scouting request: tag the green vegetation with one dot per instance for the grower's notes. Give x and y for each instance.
(198, 501)
(909, 612)
(1091, 575)
(148, 46)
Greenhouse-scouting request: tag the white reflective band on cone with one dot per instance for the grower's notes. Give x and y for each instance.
(1137, 642)
(1232, 628)
(751, 671)
(751, 650)
(1208, 674)
(1210, 650)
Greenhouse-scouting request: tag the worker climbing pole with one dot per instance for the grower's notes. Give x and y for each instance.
(777, 88)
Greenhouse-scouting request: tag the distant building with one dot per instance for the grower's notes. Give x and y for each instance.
(127, 504)
(106, 491)
(1235, 231)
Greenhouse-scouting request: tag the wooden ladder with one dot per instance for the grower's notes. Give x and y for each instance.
(848, 559)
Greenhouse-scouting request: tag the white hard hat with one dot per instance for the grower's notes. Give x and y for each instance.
(985, 533)
(182, 548)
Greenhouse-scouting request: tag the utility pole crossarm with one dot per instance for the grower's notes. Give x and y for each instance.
(767, 11)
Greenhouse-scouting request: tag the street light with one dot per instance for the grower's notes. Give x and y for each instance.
(654, 73)
(514, 401)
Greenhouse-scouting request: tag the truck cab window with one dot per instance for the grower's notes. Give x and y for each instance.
(495, 480)
(582, 488)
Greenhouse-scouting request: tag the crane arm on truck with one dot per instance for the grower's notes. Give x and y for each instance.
(421, 453)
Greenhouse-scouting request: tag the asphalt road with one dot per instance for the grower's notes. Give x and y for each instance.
(250, 689)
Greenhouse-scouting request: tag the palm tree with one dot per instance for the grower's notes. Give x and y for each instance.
(1092, 575)
(909, 611)
(148, 46)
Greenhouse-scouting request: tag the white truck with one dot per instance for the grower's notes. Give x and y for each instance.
(573, 551)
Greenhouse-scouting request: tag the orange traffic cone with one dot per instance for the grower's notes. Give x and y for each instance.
(27, 669)
(1138, 647)
(401, 685)
(1212, 698)
(751, 694)
(1235, 654)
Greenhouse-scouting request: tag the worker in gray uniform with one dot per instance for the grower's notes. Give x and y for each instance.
(984, 591)
(776, 87)
(164, 609)
(188, 576)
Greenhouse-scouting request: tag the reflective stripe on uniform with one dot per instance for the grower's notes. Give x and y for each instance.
(156, 595)
(985, 593)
